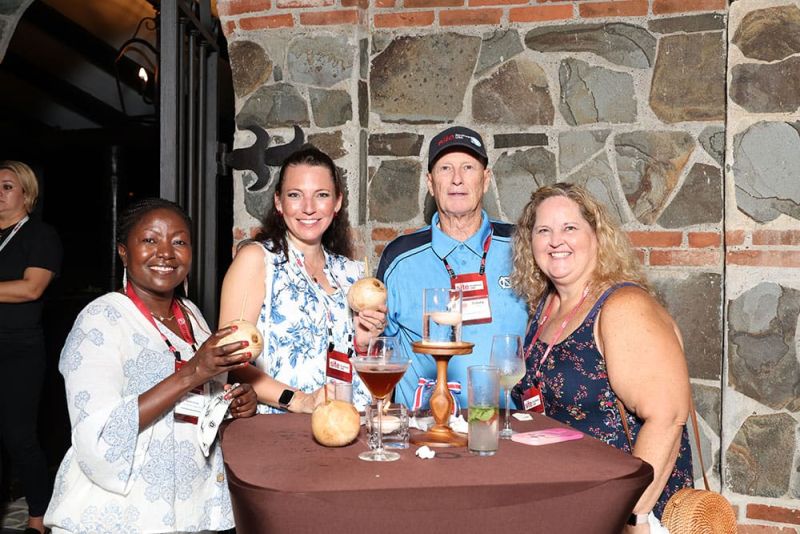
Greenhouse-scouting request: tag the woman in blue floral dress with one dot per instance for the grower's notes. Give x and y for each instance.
(292, 282)
(597, 336)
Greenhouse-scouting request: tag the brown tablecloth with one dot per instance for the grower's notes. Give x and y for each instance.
(282, 481)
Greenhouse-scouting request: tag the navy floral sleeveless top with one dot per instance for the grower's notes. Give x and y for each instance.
(576, 391)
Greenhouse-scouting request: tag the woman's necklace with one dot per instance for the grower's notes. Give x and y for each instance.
(316, 272)
(162, 318)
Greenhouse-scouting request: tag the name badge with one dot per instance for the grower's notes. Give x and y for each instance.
(191, 405)
(475, 307)
(532, 400)
(339, 367)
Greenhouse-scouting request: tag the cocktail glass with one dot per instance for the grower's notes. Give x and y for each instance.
(381, 369)
(507, 356)
(441, 315)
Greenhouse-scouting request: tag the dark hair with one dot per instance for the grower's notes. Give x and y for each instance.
(336, 238)
(134, 213)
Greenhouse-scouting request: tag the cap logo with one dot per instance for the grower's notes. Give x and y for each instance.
(470, 138)
(446, 139)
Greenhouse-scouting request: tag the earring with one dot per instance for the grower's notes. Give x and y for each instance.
(186, 287)
(124, 277)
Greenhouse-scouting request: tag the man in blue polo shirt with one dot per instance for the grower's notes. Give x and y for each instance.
(460, 239)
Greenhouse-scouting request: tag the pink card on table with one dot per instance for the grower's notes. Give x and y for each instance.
(546, 437)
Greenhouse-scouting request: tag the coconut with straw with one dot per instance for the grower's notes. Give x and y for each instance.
(245, 331)
(367, 293)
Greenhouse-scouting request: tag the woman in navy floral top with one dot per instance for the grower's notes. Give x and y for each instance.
(597, 335)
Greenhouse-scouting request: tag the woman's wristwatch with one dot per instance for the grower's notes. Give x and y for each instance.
(286, 398)
(637, 519)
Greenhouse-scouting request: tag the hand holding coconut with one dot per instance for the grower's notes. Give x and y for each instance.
(215, 357)
(367, 298)
(245, 331)
(367, 294)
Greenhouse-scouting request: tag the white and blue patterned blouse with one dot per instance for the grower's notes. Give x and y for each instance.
(297, 317)
(115, 479)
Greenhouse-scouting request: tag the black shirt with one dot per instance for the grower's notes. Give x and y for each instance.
(36, 244)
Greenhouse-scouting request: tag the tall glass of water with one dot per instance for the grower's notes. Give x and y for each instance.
(508, 358)
(483, 394)
(441, 315)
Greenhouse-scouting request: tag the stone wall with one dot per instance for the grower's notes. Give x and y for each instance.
(627, 97)
(762, 396)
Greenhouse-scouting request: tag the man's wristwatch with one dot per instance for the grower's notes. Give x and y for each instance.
(286, 398)
(638, 519)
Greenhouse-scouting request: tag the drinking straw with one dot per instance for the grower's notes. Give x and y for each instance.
(244, 303)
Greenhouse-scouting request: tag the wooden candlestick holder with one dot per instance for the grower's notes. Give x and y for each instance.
(440, 434)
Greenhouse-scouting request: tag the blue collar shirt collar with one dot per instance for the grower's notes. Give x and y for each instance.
(443, 244)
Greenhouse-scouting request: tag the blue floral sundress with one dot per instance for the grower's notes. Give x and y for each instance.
(298, 320)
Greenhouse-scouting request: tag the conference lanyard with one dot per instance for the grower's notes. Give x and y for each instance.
(556, 335)
(183, 325)
(486, 244)
(13, 231)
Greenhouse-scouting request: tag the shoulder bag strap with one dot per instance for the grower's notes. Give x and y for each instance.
(624, 416)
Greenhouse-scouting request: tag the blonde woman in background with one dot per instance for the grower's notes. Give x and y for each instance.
(30, 257)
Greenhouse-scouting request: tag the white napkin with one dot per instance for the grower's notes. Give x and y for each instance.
(457, 423)
(425, 452)
(215, 410)
(420, 423)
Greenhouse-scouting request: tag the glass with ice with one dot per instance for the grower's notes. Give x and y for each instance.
(483, 393)
(380, 369)
(441, 315)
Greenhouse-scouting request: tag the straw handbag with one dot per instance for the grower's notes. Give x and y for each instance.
(693, 511)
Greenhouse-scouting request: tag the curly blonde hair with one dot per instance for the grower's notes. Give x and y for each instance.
(616, 261)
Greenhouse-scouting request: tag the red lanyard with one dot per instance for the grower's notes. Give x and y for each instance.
(559, 331)
(486, 245)
(183, 325)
